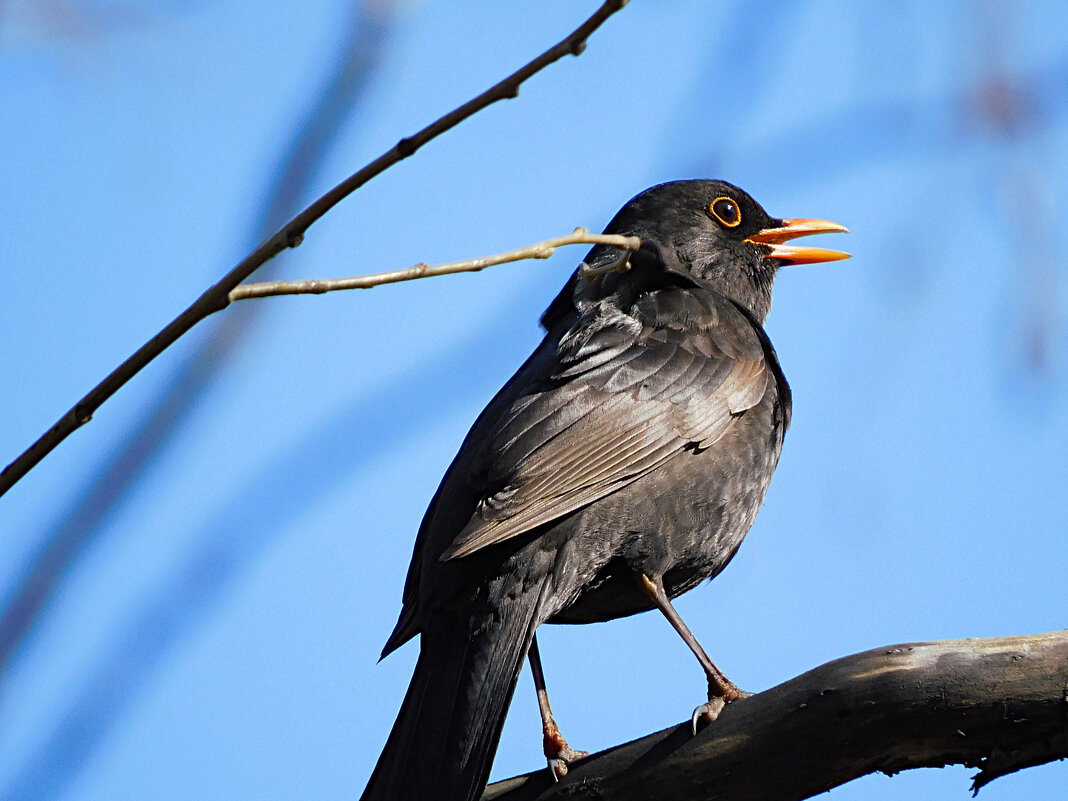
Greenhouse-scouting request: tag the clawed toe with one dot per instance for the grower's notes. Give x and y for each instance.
(708, 712)
(557, 769)
(561, 759)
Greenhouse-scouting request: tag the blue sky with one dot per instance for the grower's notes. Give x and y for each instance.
(217, 635)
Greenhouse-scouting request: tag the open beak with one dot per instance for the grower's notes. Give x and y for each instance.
(789, 229)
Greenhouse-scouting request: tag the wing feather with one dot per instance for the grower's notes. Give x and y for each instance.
(630, 391)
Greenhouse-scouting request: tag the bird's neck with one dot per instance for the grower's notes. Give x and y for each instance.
(752, 292)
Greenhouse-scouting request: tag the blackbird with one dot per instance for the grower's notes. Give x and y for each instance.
(620, 466)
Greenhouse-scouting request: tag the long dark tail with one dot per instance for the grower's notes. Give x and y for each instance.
(446, 734)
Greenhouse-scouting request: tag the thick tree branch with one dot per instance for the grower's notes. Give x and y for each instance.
(290, 235)
(999, 704)
(540, 250)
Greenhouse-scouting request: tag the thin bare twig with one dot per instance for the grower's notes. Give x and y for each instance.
(620, 264)
(290, 235)
(539, 250)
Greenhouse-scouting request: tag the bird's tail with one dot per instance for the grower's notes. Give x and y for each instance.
(446, 734)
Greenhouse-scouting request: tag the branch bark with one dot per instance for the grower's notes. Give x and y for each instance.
(290, 235)
(999, 704)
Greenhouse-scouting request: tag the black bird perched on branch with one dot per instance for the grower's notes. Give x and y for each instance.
(621, 465)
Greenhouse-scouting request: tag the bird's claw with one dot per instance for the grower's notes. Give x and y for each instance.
(708, 712)
(557, 769)
(561, 759)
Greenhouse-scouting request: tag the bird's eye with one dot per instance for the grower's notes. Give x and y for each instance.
(726, 211)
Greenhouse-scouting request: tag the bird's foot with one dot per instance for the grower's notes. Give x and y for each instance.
(560, 755)
(708, 712)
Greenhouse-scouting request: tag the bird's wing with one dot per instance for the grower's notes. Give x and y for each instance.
(628, 391)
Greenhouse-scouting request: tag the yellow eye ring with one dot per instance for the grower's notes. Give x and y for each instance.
(726, 211)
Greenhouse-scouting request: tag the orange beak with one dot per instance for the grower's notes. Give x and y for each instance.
(773, 238)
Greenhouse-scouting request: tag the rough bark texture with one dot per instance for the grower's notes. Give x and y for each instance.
(999, 704)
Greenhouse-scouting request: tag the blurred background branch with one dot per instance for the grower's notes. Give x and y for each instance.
(344, 88)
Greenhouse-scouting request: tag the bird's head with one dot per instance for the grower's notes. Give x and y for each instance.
(701, 233)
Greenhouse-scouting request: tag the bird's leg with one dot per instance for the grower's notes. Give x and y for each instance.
(557, 752)
(721, 690)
